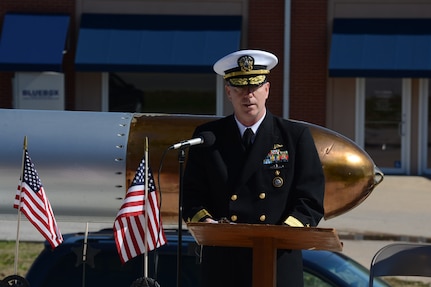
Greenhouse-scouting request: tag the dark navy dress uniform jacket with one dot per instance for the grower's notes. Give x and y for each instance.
(280, 176)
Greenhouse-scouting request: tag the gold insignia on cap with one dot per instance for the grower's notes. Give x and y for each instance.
(247, 81)
(256, 80)
(240, 73)
(246, 63)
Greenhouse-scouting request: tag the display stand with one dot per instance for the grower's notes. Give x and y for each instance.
(265, 240)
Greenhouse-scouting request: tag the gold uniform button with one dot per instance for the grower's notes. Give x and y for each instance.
(234, 218)
(262, 195)
(234, 197)
(262, 217)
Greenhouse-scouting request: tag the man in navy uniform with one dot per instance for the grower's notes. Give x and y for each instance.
(262, 169)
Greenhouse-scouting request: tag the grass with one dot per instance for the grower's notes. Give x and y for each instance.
(395, 282)
(27, 252)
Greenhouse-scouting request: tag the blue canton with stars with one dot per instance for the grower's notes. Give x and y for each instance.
(140, 177)
(31, 178)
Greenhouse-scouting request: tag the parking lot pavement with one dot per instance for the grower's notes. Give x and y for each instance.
(397, 210)
(398, 207)
(363, 250)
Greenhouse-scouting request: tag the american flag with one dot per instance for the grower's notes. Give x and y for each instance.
(129, 225)
(32, 201)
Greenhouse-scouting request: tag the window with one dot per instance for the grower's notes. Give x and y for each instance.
(163, 93)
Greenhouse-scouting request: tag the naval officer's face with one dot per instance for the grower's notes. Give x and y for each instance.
(248, 102)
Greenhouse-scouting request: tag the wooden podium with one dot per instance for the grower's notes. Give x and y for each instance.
(265, 240)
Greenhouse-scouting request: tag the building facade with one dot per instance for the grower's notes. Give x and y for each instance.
(357, 67)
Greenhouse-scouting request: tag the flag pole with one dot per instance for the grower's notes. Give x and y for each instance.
(19, 207)
(84, 254)
(146, 210)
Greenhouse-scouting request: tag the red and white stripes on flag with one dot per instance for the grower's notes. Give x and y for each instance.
(129, 225)
(34, 204)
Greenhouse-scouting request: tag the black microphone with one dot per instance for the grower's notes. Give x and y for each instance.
(204, 138)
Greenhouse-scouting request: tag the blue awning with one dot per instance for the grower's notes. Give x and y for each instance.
(155, 43)
(381, 48)
(33, 42)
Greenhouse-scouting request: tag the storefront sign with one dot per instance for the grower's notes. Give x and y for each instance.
(39, 91)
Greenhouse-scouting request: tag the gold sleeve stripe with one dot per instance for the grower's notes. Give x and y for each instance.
(199, 215)
(294, 222)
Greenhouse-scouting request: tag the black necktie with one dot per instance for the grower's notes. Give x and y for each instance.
(246, 138)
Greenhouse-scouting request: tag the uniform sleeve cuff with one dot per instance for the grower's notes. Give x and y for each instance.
(294, 222)
(199, 216)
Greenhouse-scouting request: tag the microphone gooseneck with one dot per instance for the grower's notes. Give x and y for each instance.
(205, 138)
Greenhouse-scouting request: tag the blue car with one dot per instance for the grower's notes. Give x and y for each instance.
(64, 266)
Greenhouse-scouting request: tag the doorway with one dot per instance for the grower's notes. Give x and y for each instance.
(384, 109)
